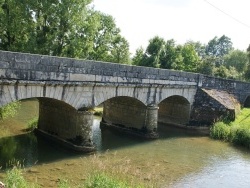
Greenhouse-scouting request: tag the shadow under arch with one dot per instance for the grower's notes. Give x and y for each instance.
(124, 111)
(247, 102)
(174, 110)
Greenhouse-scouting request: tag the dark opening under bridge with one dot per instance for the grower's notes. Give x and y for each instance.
(134, 98)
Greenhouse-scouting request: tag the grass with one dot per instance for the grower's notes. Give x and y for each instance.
(102, 180)
(237, 132)
(15, 179)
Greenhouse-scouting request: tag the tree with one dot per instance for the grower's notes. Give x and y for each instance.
(199, 48)
(219, 47)
(237, 59)
(169, 55)
(190, 58)
(154, 50)
(15, 25)
(138, 57)
(61, 28)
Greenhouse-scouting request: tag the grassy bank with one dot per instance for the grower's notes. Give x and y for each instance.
(14, 178)
(237, 132)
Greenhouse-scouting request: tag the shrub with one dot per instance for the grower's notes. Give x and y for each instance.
(9, 110)
(32, 124)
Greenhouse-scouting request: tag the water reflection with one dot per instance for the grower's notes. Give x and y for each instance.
(179, 158)
(21, 148)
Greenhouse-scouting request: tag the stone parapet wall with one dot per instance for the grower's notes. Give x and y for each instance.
(21, 66)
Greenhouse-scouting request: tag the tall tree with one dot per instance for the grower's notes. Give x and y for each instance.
(219, 46)
(15, 25)
(237, 59)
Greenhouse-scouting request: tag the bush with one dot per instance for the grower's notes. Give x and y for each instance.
(32, 124)
(9, 110)
(237, 132)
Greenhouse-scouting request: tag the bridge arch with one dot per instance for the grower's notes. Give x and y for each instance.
(174, 110)
(124, 111)
(247, 102)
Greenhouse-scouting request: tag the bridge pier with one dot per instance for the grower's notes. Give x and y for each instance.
(131, 116)
(62, 123)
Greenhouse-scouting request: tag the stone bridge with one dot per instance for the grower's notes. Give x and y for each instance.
(134, 98)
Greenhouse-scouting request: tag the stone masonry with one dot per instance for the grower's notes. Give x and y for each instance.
(134, 98)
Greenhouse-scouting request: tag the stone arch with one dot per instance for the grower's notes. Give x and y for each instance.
(174, 110)
(124, 111)
(102, 94)
(247, 102)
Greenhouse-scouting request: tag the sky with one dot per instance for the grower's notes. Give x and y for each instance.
(181, 20)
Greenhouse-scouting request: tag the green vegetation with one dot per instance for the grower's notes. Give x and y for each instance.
(70, 28)
(237, 132)
(217, 58)
(32, 124)
(98, 111)
(104, 181)
(9, 110)
(14, 178)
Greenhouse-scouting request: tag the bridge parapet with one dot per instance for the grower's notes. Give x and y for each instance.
(21, 66)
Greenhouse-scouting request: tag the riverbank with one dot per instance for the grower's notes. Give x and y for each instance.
(236, 132)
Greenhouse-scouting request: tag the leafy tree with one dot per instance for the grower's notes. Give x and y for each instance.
(190, 58)
(207, 66)
(199, 48)
(154, 50)
(138, 57)
(219, 47)
(15, 25)
(237, 59)
(61, 28)
(170, 55)
(120, 51)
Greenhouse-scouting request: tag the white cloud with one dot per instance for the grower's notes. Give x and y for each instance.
(182, 20)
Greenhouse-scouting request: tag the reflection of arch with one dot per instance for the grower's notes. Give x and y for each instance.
(247, 102)
(174, 110)
(124, 111)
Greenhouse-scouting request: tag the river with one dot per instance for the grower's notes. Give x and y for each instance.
(179, 158)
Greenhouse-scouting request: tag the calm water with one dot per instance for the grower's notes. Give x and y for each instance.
(178, 158)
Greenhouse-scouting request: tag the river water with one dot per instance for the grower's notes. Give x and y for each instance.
(179, 158)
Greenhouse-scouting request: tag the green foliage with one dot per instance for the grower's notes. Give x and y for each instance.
(61, 28)
(104, 181)
(165, 54)
(220, 131)
(14, 179)
(32, 124)
(63, 183)
(219, 47)
(9, 110)
(237, 132)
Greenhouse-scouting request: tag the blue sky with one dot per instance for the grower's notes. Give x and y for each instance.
(182, 20)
